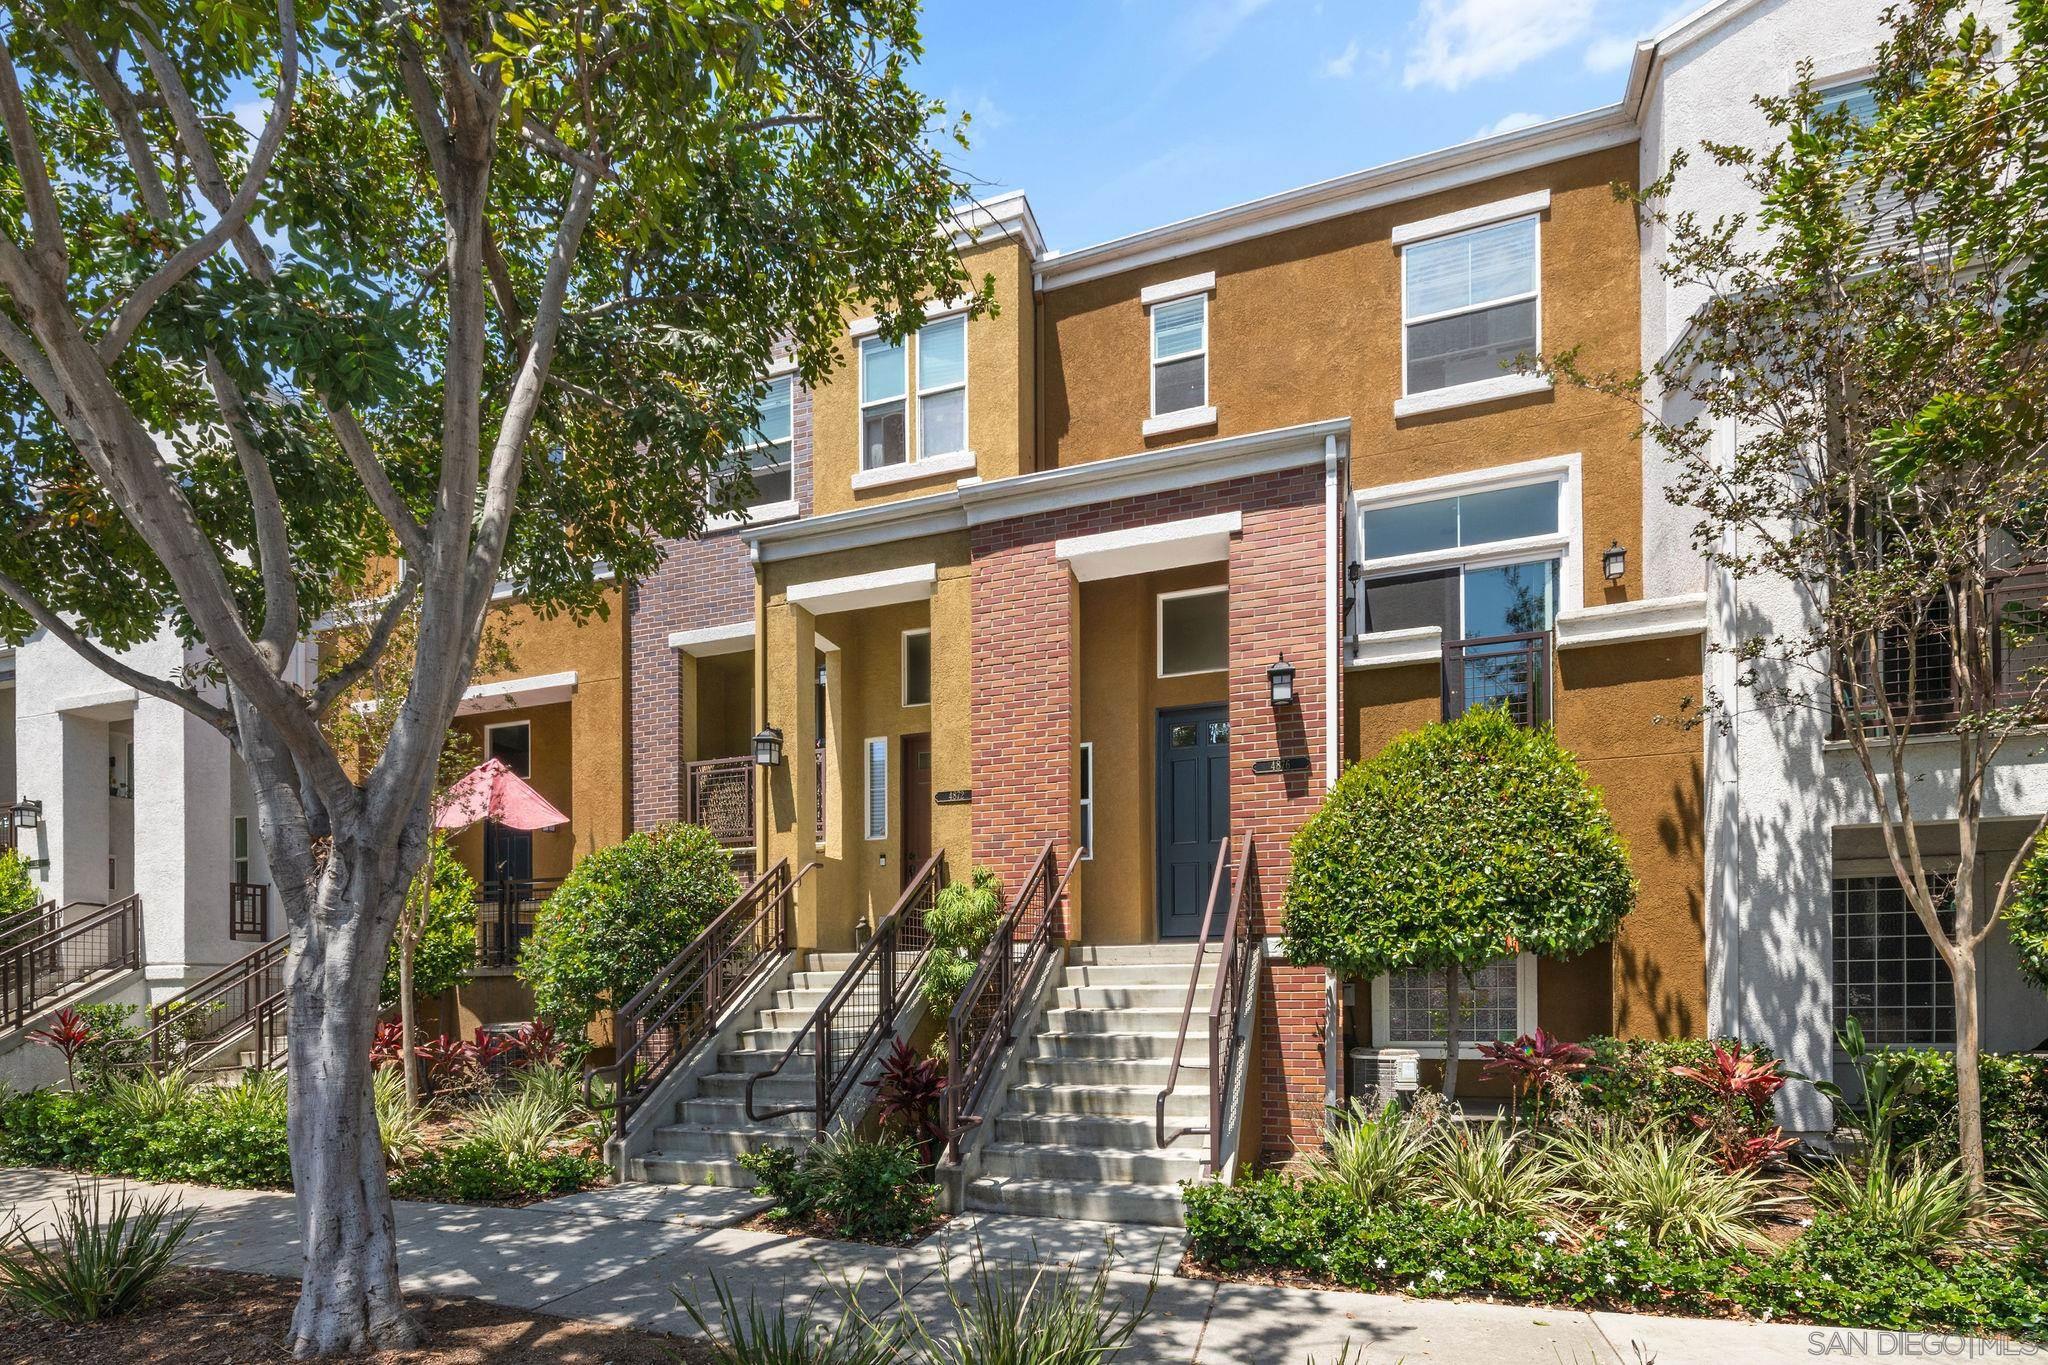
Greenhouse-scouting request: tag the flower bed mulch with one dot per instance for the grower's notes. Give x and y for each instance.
(217, 1317)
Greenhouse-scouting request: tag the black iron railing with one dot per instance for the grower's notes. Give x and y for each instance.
(209, 1024)
(1236, 957)
(29, 924)
(686, 1000)
(862, 1007)
(984, 1018)
(1509, 671)
(505, 912)
(1907, 677)
(39, 969)
(249, 911)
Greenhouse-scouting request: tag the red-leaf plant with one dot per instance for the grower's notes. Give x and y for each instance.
(70, 1034)
(1534, 1062)
(1737, 1078)
(1736, 1152)
(387, 1045)
(538, 1044)
(490, 1048)
(911, 1092)
(447, 1058)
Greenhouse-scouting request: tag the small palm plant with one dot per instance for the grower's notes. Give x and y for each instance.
(1672, 1190)
(2027, 1193)
(1924, 1205)
(1026, 1315)
(1484, 1168)
(1377, 1158)
(758, 1335)
(98, 1260)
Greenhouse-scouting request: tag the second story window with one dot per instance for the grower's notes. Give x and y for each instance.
(768, 456)
(1469, 304)
(882, 388)
(942, 388)
(1180, 355)
(1474, 565)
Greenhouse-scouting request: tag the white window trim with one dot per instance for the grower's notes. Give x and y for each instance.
(1169, 290)
(924, 393)
(1184, 420)
(525, 725)
(861, 389)
(1159, 632)
(1567, 544)
(868, 748)
(760, 514)
(1195, 416)
(1479, 391)
(1464, 220)
(1087, 803)
(241, 848)
(1468, 1048)
(912, 470)
(1536, 294)
(903, 667)
(755, 511)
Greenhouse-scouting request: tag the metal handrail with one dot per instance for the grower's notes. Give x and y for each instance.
(169, 1039)
(1234, 967)
(1187, 1008)
(37, 922)
(52, 958)
(1009, 973)
(874, 967)
(680, 1007)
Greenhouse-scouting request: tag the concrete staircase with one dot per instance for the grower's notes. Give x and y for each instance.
(711, 1128)
(1074, 1137)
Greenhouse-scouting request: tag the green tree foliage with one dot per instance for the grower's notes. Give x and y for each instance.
(1461, 843)
(2026, 916)
(618, 918)
(445, 943)
(19, 892)
(960, 924)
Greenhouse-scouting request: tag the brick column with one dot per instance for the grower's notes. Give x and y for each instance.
(1024, 611)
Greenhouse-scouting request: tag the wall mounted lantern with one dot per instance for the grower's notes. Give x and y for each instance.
(1280, 681)
(25, 814)
(768, 748)
(1614, 562)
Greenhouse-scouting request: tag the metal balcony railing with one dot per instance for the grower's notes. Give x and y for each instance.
(1510, 671)
(505, 912)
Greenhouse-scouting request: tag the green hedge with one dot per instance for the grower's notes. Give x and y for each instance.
(1631, 1078)
(195, 1143)
(1833, 1272)
(2015, 1106)
(477, 1172)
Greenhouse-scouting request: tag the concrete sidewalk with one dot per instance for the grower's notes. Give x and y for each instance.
(618, 1255)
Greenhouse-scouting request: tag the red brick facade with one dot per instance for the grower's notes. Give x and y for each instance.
(1024, 713)
(701, 583)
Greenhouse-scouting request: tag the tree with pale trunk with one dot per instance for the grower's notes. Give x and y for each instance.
(1856, 415)
(288, 289)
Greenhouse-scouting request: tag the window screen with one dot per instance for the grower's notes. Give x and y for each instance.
(878, 789)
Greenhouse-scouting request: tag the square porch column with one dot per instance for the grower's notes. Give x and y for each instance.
(183, 804)
(788, 669)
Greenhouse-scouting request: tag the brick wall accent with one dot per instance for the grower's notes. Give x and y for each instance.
(701, 583)
(1024, 707)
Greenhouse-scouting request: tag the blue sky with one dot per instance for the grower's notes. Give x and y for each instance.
(1116, 115)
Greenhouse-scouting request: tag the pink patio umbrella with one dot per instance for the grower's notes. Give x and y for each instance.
(489, 791)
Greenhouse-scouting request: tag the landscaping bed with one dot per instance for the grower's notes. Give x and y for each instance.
(217, 1317)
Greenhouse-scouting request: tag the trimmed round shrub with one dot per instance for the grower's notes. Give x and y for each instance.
(446, 947)
(1461, 843)
(619, 917)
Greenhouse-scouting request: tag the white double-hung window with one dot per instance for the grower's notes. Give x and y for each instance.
(1180, 355)
(883, 367)
(1474, 565)
(942, 388)
(1470, 304)
(768, 454)
(927, 370)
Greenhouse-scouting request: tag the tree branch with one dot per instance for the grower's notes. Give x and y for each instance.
(108, 664)
(46, 223)
(121, 107)
(234, 217)
(349, 674)
(273, 538)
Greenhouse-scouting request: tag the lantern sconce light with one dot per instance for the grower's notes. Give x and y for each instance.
(1280, 681)
(1614, 562)
(768, 748)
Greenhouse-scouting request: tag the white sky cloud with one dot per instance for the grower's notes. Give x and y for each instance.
(1508, 123)
(1462, 41)
(1610, 52)
(1342, 66)
(1207, 26)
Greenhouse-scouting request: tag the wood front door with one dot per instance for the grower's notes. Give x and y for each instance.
(917, 803)
(1191, 813)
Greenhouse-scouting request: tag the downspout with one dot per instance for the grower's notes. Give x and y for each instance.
(1333, 644)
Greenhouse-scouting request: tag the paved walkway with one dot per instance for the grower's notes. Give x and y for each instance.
(618, 1256)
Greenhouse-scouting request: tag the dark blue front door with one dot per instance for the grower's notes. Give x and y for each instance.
(1192, 811)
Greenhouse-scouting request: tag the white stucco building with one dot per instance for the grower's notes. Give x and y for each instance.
(1803, 922)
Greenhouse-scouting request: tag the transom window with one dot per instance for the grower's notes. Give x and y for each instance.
(917, 667)
(1470, 304)
(768, 455)
(1194, 631)
(1465, 564)
(1888, 975)
(1180, 355)
(939, 367)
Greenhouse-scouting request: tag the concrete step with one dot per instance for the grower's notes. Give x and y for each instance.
(1120, 954)
(732, 1113)
(666, 1168)
(702, 1140)
(1155, 1205)
(1093, 1130)
(828, 962)
(783, 1018)
(1132, 1071)
(1110, 1165)
(803, 999)
(1122, 1045)
(1134, 1101)
(746, 1061)
(1108, 1019)
(1124, 998)
(1140, 974)
(767, 1039)
(813, 981)
(790, 1087)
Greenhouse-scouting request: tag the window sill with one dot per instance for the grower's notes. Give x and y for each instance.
(1185, 420)
(1467, 395)
(1394, 648)
(759, 515)
(958, 462)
